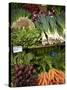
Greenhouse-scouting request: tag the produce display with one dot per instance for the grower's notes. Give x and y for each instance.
(54, 76)
(49, 27)
(25, 75)
(28, 38)
(40, 31)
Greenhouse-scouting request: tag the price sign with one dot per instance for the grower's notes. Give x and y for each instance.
(17, 49)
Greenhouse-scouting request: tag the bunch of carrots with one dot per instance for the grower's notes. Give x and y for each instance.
(53, 76)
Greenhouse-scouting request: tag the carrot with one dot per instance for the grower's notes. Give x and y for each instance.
(45, 79)
(60, 77)
(59, 72)
(49, 75)
(57, 80)
(40, 79)
(53, 76)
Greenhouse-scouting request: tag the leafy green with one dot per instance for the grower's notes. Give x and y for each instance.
(60, 21)
(41, 58)
(25, 37)
(21, 58)
(59, 9)
(52, 23)
(42, 23)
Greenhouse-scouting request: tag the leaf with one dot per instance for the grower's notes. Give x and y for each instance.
(16, 13)
(52, 24)
(60, 20)
(59, 29)
(25, 37)
(42, 23)
(27, 58)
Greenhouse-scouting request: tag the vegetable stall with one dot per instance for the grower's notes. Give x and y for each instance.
(40, 31)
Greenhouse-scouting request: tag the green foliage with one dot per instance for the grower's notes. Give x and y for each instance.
(59, 60)
(16, 13)
(43, 61)
(25, 37)
(60, 21)
(59, 9)
(42, 23)
(16, 5)
(21, 58)
(52, 23)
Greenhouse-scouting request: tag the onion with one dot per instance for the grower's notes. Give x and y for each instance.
(44, 39)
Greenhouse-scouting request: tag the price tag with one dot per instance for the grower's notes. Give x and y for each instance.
(17, 49)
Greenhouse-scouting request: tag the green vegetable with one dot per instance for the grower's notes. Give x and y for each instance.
(25, 37)
(41, 58)
(46, 23)
(52, 27)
